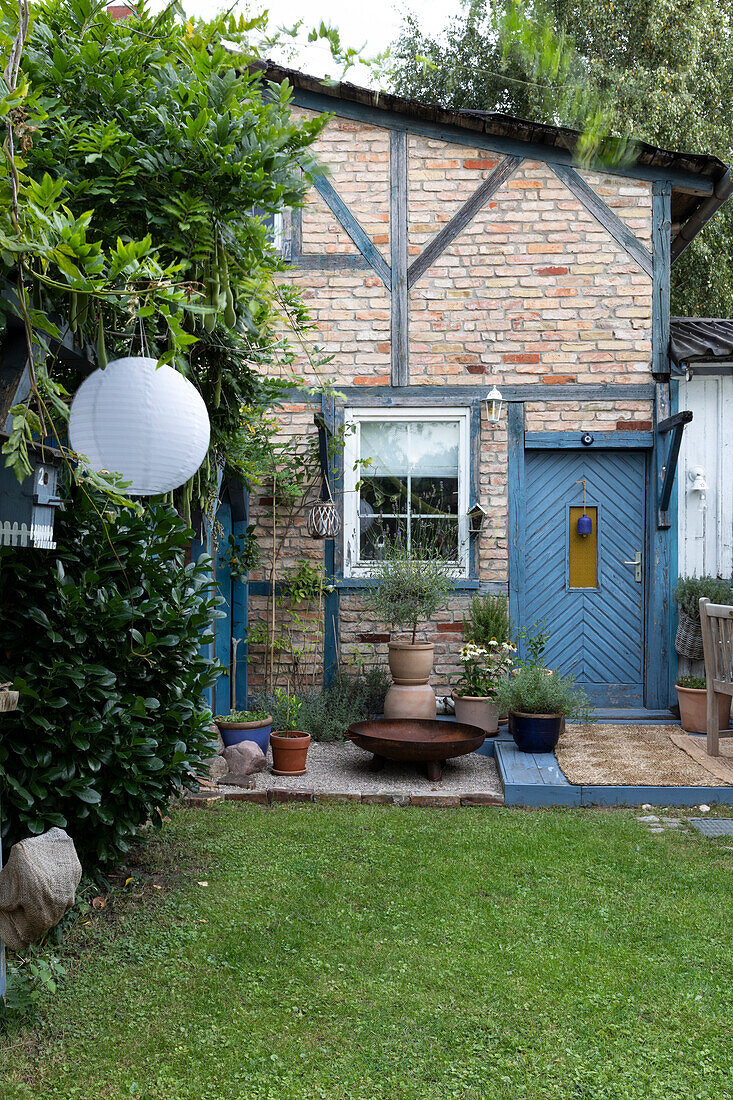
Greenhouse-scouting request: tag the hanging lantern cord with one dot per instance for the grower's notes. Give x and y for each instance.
(323, 450)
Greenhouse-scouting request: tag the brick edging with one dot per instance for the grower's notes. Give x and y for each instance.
(278, 795)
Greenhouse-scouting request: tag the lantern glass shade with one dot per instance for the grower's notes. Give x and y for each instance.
(145, 422)
(585, 525)
(494, 402)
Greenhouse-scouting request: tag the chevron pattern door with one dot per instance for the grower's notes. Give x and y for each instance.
(597, 633)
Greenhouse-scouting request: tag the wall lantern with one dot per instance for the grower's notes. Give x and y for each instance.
(476, 517)
(494, 402)
(585, 523)
(145, 422)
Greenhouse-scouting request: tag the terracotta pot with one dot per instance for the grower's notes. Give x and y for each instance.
(289, 752)
(416, 701)
(410, 664)
(694, 709)
(258, 731)
(477, 710)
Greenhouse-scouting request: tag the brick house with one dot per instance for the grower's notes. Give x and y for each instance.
(447, 252)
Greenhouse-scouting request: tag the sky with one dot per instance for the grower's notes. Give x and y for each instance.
(368, 25)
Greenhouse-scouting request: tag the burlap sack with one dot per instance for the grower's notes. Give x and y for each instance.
(37, 886)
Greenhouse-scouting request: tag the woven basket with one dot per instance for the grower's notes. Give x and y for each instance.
(323, 520)
(688, 641)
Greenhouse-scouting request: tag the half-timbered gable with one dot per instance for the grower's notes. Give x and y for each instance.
(443, 253)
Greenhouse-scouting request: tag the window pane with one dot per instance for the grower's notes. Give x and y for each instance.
(383, 494)
(435, 495)
(376, 534)
(433, 447)
(583, 550)
(437, 536)
(387, 446)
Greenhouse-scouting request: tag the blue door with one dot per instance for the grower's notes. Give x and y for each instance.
(588, 588)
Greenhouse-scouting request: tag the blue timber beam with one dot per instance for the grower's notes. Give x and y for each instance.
(460, 220)
(358, 234)
(605, 216)
(398, 246)
(477, 139)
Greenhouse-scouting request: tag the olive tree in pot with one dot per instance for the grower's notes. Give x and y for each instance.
(410, 586)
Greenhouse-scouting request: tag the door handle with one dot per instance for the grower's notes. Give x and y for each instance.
(637, 566)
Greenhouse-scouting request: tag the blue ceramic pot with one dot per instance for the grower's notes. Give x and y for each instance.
(259, 732)
(535, 732)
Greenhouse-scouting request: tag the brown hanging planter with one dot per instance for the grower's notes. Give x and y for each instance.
(323, 520)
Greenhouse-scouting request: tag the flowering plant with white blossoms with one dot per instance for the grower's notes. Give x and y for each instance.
(483, 666)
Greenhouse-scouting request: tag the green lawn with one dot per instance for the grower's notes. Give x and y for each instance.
(379, 954)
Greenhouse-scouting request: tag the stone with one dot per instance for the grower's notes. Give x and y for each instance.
(259, 798)
(337, 796)
(445, 801)
(216, 735)
(217, 768)
(482, 799)
(285, 794)
(245, 758)
(248, 782)
(648, 818)
(386, 799)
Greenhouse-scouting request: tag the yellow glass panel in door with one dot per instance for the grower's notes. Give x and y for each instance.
(583, 551)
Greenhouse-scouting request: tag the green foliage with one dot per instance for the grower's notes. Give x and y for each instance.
(697, 683)
(242, 553)
(535, 690)
(102, 638)
(483, 666)
(285, 711)
(356, 693)
(256, 714)
(408, 587)
(489, 620)
(149, 157)
(659, 70)
(690, 590)
(31, 977)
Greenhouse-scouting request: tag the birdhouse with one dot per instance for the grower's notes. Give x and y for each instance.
(27, 508)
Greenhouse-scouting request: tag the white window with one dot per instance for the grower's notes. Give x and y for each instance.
(413, 469)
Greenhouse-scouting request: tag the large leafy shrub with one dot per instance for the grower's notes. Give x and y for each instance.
(103, 639)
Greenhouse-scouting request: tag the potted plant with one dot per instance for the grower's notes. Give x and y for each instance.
(473, 694)
(538, 701)
(410, 586)
(688, 641)
(489, 621)
(692, 697)
(245, 725)
(289, 744)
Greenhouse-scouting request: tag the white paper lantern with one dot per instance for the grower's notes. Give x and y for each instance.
(145, 422)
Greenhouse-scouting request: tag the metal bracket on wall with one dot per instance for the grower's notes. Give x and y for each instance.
(674, 426)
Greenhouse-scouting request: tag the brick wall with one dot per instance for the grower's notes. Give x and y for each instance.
(532, 291)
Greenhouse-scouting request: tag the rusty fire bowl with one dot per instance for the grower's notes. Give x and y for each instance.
(416, 741)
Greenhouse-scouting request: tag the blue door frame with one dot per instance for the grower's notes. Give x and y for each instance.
(659, 547)
(233, 516)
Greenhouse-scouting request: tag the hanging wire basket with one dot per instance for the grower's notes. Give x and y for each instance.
(323, 520)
